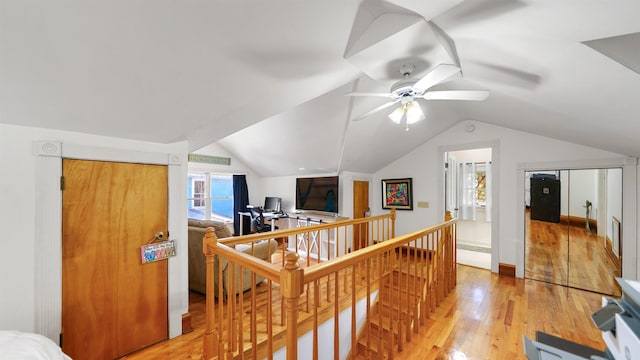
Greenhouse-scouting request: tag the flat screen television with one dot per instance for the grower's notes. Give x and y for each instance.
(317, 193)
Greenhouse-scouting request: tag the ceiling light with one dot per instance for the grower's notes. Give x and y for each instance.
(397, 114)
(410, 110)
(414, 113)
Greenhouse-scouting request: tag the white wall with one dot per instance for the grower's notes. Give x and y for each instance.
(280, 186)
(472, 156)
(18, 205)
(583, 186)
(515, 147)
(326, 333)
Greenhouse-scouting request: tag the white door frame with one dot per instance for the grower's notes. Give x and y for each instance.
(48, 226)
(495, 187)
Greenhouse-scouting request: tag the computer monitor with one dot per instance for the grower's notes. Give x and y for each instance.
(272, 204)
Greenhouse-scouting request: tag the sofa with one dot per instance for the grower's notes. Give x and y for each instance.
(197, 260)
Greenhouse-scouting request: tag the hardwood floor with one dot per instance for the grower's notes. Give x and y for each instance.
(568, 255)
(484, 317)
(188, 346)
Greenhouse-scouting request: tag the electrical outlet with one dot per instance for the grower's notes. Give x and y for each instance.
(423, 204)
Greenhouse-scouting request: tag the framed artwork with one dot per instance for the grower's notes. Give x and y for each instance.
(397, 193)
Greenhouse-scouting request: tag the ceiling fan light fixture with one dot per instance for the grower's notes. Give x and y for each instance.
(397, 114)
(414, 113)
(408, 89)
(410, 110)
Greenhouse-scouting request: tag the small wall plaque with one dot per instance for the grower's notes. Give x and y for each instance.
(209, 159)
(157, 251)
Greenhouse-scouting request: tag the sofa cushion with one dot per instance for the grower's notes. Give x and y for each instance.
(221, 229)
(262, 250)
(198, 270)
(244, 248)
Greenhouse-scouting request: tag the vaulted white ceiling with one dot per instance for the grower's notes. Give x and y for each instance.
(266, 79)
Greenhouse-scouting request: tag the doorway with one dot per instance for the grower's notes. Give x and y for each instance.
(468, 195)
(572, 228)
(112, 304)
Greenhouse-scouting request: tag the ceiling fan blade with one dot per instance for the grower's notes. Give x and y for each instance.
(381, 107)
(368, 94)
(441, 73)
(476, 95)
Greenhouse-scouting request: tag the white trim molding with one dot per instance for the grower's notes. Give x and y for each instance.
(48, 226)
(48, 240)
(495, 190)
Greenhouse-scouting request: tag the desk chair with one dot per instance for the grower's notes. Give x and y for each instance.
(257, 221)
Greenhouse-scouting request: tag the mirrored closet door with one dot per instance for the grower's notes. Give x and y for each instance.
(572, 222)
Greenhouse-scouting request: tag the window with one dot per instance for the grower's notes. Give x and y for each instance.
(222, 195)
(481, 186)
(198, 192)
(210, 196)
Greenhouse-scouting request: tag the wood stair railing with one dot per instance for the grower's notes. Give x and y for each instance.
(402, 304)
(391, 316)
(398, 281)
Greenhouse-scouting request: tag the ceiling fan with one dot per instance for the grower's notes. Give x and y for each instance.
(406, 91)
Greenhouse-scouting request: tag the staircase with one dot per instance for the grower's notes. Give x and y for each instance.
(401, 279)
(393, 318)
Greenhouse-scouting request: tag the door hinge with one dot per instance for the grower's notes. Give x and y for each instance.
(61, 183)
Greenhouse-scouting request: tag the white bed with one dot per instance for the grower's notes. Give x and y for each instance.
(20, 345)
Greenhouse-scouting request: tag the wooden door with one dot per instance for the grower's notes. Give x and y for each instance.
(360, 206)
(112, 304)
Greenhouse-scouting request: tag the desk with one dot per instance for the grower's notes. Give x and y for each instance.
(272, 217)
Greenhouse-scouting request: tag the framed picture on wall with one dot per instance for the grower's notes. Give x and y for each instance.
(397, 193)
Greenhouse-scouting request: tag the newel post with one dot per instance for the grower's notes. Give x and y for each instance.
(210, 338)
(291, 284)
(446, 232)
(393, 223)
(450, 251)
